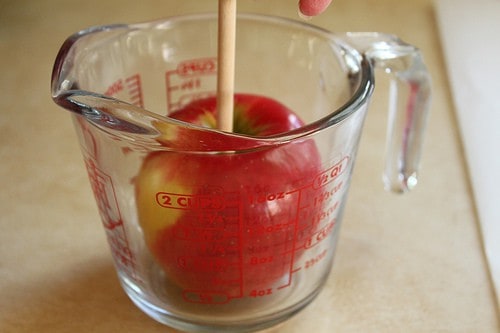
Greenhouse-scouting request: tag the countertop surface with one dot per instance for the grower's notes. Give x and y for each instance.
(410, 263)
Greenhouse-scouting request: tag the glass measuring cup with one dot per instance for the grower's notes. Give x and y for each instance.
(244, 234)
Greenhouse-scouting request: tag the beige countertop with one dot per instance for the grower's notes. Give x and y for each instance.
(411, 263)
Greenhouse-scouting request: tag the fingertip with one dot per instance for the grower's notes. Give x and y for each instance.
(310, 8)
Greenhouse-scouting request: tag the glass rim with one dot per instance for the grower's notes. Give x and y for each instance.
(90, 105)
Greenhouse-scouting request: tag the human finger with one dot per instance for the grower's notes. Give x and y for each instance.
(313, 7)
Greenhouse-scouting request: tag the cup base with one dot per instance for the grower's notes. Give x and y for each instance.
(203, 325)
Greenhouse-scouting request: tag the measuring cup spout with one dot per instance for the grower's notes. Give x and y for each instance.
(93, 73)
(409, 102)
(67, 90)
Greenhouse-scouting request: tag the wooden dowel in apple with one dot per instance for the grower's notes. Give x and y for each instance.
(225, 68)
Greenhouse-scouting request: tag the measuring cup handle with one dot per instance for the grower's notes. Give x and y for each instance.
(409, 101)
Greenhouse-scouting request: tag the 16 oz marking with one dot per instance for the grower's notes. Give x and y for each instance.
(261, 198)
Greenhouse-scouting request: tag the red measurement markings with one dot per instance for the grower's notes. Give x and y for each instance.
(192, 79)
(313, 261)
(104, 193)
(114, 88)
(331, 174)
(263, 230)
(105, 196)
(325, 195)
(319, 217)
(189, 202)
(318, 203)
(295, 235)
(266, 197)
(320, 235)
(261, 292)
(322, 222)
(209, 235)
(132, 86)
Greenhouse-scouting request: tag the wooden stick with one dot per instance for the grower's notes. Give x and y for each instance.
(225, 68)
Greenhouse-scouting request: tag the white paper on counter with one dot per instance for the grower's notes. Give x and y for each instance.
(470, 35)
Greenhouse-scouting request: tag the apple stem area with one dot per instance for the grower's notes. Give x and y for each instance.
(225, 69)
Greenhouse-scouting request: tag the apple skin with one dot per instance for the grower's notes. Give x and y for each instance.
(253, 115)
(226, 222)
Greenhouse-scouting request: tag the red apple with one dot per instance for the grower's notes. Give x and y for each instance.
(226, 223)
